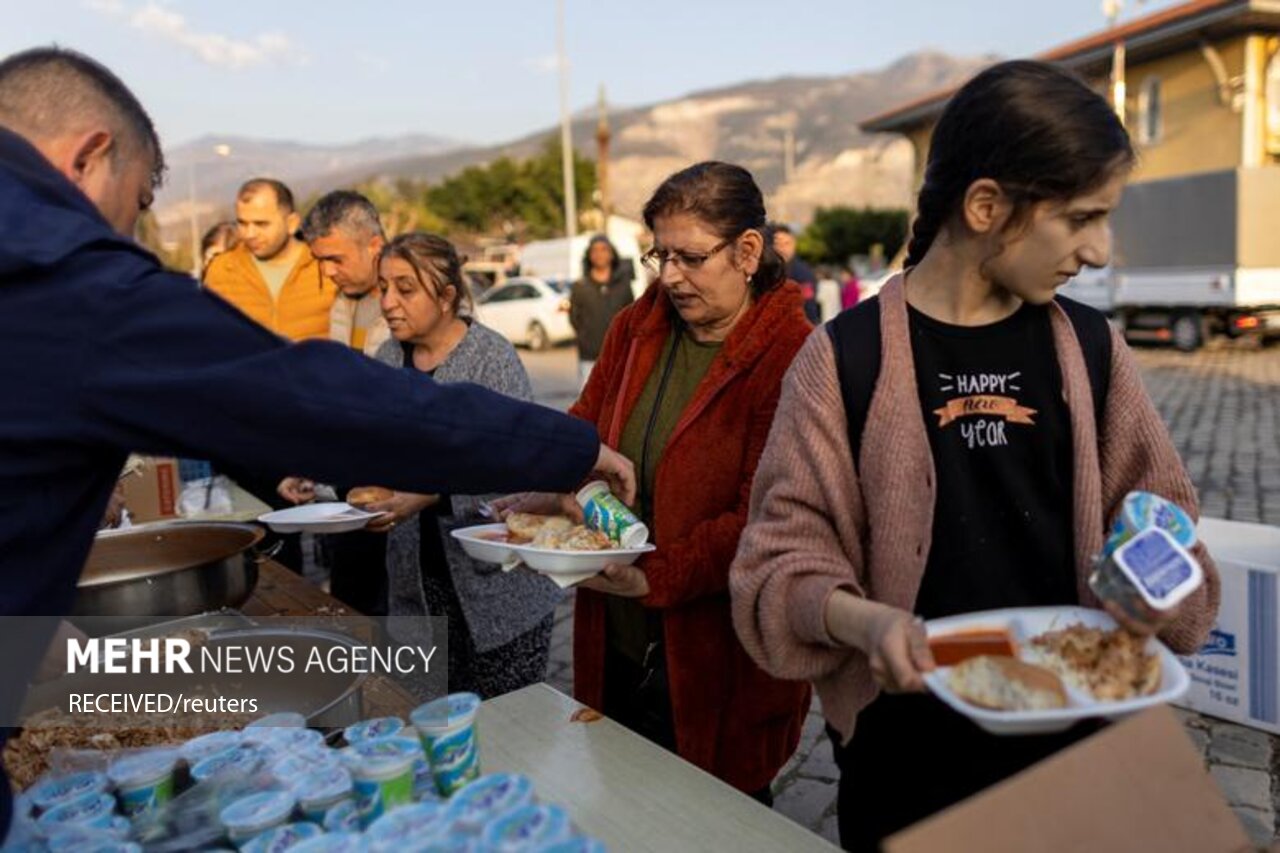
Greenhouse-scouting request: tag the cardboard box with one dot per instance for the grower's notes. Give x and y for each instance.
(1236, 673)
(152, 493)
(1137, 785)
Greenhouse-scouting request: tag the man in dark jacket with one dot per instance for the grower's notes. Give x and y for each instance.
(102, 352)
(784, 243)
(603, 291)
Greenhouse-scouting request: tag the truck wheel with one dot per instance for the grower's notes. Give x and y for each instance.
(1188, 332)
(538, 337)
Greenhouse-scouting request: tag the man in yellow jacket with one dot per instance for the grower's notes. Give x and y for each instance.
(271, 276)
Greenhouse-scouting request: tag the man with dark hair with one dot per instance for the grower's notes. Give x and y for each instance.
(271, 276)
(784, 243)
(103, 351)
(345, 236)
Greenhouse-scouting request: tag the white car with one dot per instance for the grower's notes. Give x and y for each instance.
(529, 311)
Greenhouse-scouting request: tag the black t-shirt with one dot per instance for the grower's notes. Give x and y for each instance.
(1000, 434)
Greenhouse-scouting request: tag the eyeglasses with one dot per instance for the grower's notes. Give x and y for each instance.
(656, 258)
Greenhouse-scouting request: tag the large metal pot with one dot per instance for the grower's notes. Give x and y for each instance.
(161, 572)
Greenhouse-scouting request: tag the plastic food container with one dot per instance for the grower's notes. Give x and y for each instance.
(333, 842)
(1142, 510)
(56, 790)
(92, 810)
(287, 740)
(1150, 573)
(240, 760)
(70, 839)
(369, 729)
(382, 769)
(281, 719)
(144, 781)
(527, 828)
(407, 827)
(447, 729)
(255, 814)
(344, 817)
(199, 748)
(298, 765)
(282, 838)
(487, 798)
(605, 512)
(321, 790)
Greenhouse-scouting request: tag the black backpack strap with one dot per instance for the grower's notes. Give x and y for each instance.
(1094, 333)
(855, 337)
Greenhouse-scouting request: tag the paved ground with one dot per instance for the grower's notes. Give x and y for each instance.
(1222, 406)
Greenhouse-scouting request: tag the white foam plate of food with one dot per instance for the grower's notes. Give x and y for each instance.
(545, 543)
(1043, 669)
(329, 517)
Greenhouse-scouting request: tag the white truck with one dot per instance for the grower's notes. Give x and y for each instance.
(558, 260)
(1193, 256)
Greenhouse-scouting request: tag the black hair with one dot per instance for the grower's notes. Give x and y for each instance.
(586, 256)
(45, 90)
(1036, 129)
(726, 198)
(284, 195)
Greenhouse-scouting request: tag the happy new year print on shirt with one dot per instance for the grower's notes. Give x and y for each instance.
(1000, 435)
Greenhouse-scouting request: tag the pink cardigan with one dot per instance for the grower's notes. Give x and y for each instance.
(815, 525)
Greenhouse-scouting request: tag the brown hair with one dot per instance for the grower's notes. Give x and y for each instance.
(727, 199)
(435, 260)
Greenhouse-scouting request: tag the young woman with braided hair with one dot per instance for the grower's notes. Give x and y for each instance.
(1000, 429)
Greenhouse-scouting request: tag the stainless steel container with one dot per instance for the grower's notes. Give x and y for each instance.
(160, 572)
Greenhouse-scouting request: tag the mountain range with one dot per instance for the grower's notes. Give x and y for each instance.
(831, 161)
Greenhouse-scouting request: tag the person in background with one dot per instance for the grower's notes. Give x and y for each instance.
(139, 360)
(687, 384)
(828, 293)
(344, 233)
(222, 237)
(784, 243)
(985, 475)
(271, 276)
(597, 297)
(850, 291)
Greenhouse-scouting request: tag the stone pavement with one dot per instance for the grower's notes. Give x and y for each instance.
(1222, 406)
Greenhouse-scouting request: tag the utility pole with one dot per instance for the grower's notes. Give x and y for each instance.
(603, 135)
(566, 141)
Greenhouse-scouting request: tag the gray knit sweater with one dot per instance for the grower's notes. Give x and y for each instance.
(498, 606)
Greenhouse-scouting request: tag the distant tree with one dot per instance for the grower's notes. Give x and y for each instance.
(838, 233)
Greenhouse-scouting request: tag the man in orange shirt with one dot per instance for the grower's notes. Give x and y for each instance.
(271, 276)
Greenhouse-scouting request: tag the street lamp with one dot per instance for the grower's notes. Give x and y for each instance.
(220, 150)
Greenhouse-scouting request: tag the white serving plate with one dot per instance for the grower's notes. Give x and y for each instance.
(332, 517)
(1025, 623)
(473, 541)
(553, 562)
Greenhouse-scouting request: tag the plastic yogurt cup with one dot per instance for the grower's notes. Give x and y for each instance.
(447, 730)
(1150, 572)
(406, 827)
(369, 729)
(382, 769)
(286, 741)
(488, 798)
(241, 760)
(454, 842)
(333, 842)
(92, 810)
(144, 781)
(256, 813)
(526, 828)
(56, 790)
(295, 766)
(68, 839)
(282, 719)
(321, 790)
(1142, 510)
(199, 748)
(344, 817)
(282, 838)
(604, 511)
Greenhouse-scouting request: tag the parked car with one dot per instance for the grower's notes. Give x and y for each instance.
(528, 311)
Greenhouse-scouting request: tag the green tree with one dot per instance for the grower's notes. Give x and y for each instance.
(838, 233)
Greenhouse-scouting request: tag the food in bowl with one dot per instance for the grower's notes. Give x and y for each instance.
(1110, 665)
(362, 496)
(1003, 683)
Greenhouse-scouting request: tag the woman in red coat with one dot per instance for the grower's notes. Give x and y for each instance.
(686, 386)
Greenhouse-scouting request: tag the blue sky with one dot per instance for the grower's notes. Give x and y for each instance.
(483, 71)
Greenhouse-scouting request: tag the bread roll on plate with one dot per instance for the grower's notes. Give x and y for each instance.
(362, 496)
(1007, 684)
